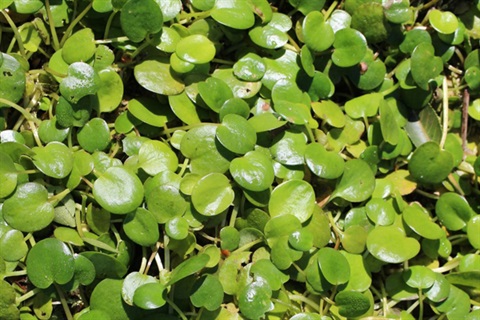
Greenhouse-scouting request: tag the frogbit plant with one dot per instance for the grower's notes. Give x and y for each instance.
(240, 159)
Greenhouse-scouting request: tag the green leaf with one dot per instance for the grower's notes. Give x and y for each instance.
(177, 228)
(79, 47)
(425, 65)
(8, 175)
(236, 134)
(288, 148)
(70, 114)
(369, 19)
(352, 304)
(184, 108)
(330, 112)
(473, 229)
(118, 190)
(307, 6)
(94, 136)
(214, 93)
(207, 292)
(12, 246)
(254, 171)
(364, 106)
(357, 182)
(132, 282)
(195, 49)
(110, 92)
(28, 209)
(419, 277)
(418, 219)
(265, 269)
(12, 79)
(254, 299)
(293, 197)
(424, 127)
(150, 296)
(235, 14)
(350, 47)
(149, 111)
(141, 227)
(312, 26)
(453, 211)
(430, 164)
(333, 265)
(398, 11)
(250, 67)
(140, 18)
(443, 21)
(50, 261)
(155, 157)
(389, 244)
(50, 131)
(82, 80)
(106, 266)
(188, 267)
(156, 76)
(212, 194)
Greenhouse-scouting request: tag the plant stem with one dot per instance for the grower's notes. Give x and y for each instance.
(74, 23)
(53, 31)
(444, 112)
(248, 245)
(390, 90)
(64, 303)
(420, 301)
(27, 296)
(330, 10)
(25, 114)
(143, 265)
(109, 24)
(18, 37)
(176, 308)
(297, 297)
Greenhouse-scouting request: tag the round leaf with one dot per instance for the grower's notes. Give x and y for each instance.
(150, 296)
(132, 282)
(293, 197)
(141, 227)
(473, 230)
(80, 46)
(149, 111)
(443, 21)
(249, 67)
(12, 246)
(94, 136)
(196, 49)
(419, 277)
(110, 92)
(236, 134)
(177, 228)
(425, 66)
(156, 76)
(417, 218)
(350, 47)
(155, 157)
(334, 266)
(430, 164)
(325, 164)
(12, 79)
(82, 80)
(235, 14)
(28, 209)
(50, 261)
(212, 194)
(254, 299)
(207, 292)
(118, 190)
(314, 25)
(357, 182)
(254, 171)
(139, 18)
(352, 304)
(389, 244)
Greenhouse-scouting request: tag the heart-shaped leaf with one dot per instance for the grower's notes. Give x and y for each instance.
(195, 49)
(417, 218)
(118, 190)
(288, 148)
(132, 282)
(312, 26)
(323, 163)
(350, 47)
(156, 76)
(141, 227)
(12, 79)
(212, 194)
(150, 296)
(156, 156)
(12, 246)
(50, 261)
(110, 92)
(357, 182)
(79, 47)
(430, 164)
(82, 80)
(293, 197)
(236, 134)
(94, 136)
(28, 209)
(140, 18)
(254, 299)
(235, 14)
(254, 171)
(419, 277)
(184, 108)
(188, 267)
(389, 244)
(266, 270)
(352, 304)
(443, 21)
(249, 67)
(207, 292)
(425, 65)
(8, 175)
(333, 265)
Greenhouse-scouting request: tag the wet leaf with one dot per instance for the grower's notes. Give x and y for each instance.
(140, 18)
